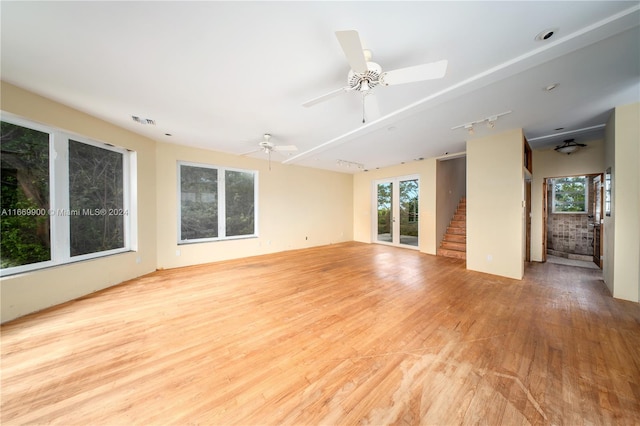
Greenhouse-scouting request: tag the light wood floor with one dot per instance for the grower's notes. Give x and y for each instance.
(346, 334)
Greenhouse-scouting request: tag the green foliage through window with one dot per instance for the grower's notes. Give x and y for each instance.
(239, 202)
(199, 203)
(24, 223)
(570, 194)
(95, 186)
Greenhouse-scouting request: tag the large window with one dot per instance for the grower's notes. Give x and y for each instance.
(64, 198)
(570, 194)
(216, 203)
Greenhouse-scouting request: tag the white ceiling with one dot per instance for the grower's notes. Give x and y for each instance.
(218, 75)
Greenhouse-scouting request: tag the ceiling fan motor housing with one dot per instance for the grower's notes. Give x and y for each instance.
(266, 145)
(367, 80)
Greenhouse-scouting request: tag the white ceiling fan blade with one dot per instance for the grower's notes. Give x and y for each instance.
(416, 73)
(251, 152)
(352, 47)
(324, 97)
(285, 148)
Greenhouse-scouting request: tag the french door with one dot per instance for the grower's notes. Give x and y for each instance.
(396, 215)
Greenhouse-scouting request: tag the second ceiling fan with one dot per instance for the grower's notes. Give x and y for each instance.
(365, 75)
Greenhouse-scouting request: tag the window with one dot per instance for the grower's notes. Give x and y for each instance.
(64, 198)
(95, 185)
(199, 203)
(216, 203)
(570, 194)
(24, 224)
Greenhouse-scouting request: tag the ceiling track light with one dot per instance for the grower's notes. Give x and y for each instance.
(490, 120)
(350, 164)
(469, 128)
(141, 120)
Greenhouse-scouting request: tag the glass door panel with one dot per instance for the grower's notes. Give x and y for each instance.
(384, 211)
(409, 212)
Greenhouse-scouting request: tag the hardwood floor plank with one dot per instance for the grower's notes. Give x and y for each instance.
(344, 334)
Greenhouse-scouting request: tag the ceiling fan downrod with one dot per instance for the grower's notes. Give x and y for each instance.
(363, 111)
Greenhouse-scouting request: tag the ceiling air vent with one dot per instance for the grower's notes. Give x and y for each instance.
(143, 120)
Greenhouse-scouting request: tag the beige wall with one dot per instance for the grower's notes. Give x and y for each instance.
(297, 207)
(363, 201)
(549, 163)
(622, 273)
(33, 291)
(495, 204)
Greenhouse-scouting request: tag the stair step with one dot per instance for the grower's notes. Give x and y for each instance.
(457, 231)
(453, 245)
(455, 238)
(458, 224)
(461, 217)
(452, 253)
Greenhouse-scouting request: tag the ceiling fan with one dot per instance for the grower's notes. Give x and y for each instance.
(365, 75)
(266, 146)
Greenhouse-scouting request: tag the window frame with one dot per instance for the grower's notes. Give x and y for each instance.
(59, 201)
(586, 195)
(221, 198)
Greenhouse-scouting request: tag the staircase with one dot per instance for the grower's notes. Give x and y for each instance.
(454, 243)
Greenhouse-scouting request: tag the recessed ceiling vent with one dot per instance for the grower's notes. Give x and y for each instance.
(143, 120)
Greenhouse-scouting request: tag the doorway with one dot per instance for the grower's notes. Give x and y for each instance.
(572, 212)
(396, 205)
